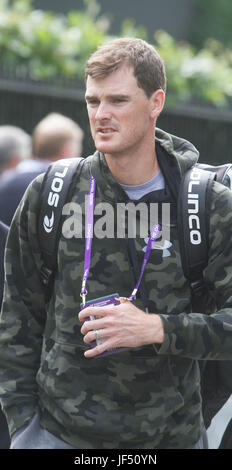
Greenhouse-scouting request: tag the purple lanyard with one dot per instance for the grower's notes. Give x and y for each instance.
(88, 236)
(88, 243)
(152, 238)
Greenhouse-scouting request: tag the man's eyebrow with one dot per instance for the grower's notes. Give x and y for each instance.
(119, 96)
(112, 96)
(89, 97)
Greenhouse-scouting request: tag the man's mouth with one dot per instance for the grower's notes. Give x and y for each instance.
(105, 130)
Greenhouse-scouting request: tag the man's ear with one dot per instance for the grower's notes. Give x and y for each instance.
(157, 103)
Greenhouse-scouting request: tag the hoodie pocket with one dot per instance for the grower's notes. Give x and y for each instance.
(59, 369)
(126, 384)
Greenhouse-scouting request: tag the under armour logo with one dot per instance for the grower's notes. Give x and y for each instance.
(164, 245)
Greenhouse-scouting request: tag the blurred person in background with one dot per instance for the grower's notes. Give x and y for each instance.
(56, 136)
(15, 145)
(4, 433)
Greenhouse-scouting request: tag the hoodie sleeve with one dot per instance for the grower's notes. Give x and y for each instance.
(3, 235)
(23, 314)
(202, 336)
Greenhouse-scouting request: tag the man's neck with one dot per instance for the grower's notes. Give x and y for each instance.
(132, 170)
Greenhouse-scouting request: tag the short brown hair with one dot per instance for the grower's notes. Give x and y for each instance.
(148, 66)
(52, 132)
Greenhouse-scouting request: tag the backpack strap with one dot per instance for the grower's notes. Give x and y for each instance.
(193, 228)
(223, 172)
(57, 184)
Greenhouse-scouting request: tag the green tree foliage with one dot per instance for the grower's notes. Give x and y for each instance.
(212, 19)
(196, 76)
(47, 46)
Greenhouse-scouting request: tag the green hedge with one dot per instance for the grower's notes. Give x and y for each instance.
(211, 19)
(48, 46)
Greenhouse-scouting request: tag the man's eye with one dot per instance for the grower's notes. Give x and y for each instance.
(118, 100)
(92, 102)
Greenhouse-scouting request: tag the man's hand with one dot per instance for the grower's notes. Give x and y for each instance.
(119, 326)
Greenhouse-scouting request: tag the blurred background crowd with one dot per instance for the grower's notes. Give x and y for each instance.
(43, 49)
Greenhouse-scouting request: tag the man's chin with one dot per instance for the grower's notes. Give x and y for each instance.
(105, 144)
(104, 148)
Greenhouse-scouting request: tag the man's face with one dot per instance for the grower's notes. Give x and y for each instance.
(119, 113)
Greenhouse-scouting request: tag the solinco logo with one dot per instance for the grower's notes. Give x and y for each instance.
(193, 207)
(48, 223)
(54, 194)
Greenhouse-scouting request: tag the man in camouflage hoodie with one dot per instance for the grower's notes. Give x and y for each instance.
(148, 394)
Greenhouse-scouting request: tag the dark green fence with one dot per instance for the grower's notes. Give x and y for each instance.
(25, 103)
(209, 129)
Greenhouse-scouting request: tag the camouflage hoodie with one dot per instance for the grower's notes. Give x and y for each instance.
(146, 397)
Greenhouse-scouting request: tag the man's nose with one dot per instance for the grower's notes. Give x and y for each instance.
(103, 111)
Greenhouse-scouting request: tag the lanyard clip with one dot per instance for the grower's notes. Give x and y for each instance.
(83, 296)
(122, 300)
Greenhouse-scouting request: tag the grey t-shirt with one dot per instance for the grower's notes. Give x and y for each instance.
(138, 191)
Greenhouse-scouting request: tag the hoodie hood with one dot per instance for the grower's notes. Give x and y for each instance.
(183, 152)
(180, 155)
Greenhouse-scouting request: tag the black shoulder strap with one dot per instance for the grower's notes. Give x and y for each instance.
(223, 173)
(57, 183)
(193, 225)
